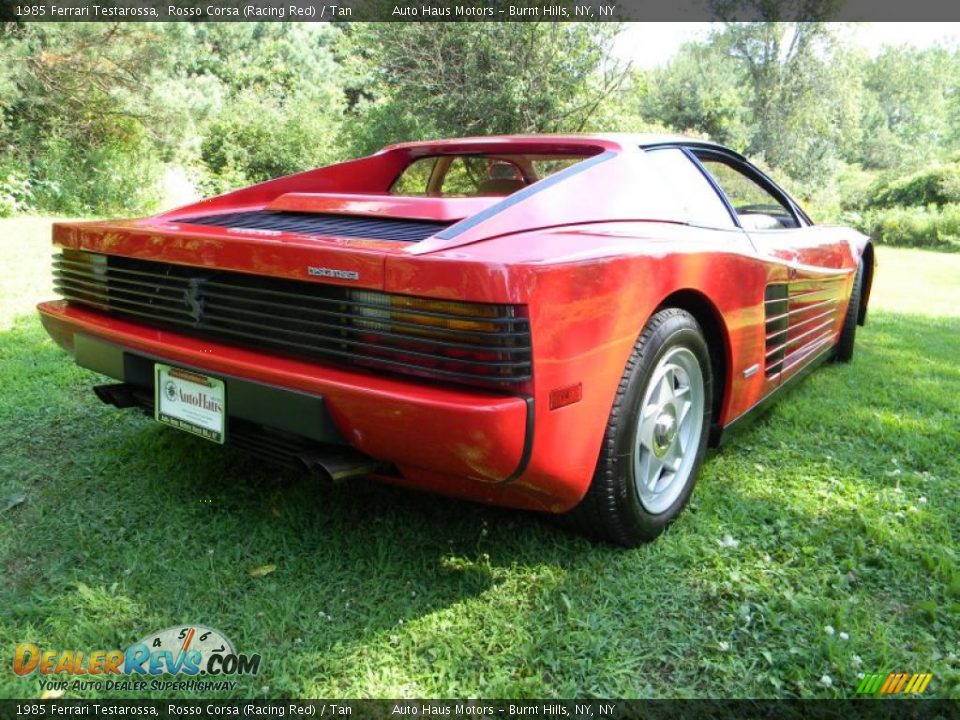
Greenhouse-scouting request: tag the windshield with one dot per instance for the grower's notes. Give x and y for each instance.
(477, 175)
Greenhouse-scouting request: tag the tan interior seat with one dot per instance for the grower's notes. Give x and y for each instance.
(500, 186)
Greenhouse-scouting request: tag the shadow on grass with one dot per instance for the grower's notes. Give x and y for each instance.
(130, 527)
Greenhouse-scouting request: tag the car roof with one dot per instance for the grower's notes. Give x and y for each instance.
(604, 141)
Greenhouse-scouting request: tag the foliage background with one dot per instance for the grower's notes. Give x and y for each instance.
(107, 118)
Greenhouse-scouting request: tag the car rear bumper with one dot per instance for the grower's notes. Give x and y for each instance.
(422, 430)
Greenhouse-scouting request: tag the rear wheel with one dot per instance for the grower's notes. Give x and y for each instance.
(843, 350)
(656, 435)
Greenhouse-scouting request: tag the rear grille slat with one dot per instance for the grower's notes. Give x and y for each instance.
(305, 296)
(477, 344)
(133, 287)
(215, 312)
(69, 281)
(217, 321)
(60, 262)
(125, 312)
(497, 338)
(115, 279)
(367, 361)
(112, 298)
(316, 224)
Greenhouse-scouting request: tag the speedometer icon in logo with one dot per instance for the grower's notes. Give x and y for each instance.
(189, 650)
(170, 390)
(186, 638)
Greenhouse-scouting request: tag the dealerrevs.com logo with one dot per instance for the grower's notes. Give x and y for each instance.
(190, 650)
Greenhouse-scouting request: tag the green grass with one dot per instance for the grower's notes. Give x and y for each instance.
(840, 508)
(24, 266)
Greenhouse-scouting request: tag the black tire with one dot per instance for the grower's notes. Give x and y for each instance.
(843, 350)
(612, 508)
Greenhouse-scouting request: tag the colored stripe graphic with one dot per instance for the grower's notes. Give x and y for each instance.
(891, 679)
(866, 685)
(913, 681)
(894, 683)
(901, 681)
(923, 679)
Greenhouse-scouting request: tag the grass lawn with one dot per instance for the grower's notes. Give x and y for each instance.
(820, 544)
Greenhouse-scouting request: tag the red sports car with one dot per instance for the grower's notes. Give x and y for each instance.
(558, 323)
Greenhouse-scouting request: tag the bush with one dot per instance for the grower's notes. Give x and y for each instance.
(16, 193)
(257, 137)
(938, 185)
(924, 227)
(828, 197)
(119, 176)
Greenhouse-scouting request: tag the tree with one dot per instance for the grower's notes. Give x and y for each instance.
(259, 99)
(911, 108)
(795, 95)
(81, 80)
(432, 79)
(75, 127)
(699, 92)
(781, 92)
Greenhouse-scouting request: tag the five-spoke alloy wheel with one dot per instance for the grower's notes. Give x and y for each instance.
(656, 435)
(669, 424)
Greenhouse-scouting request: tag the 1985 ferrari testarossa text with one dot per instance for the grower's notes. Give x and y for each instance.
(557, 323)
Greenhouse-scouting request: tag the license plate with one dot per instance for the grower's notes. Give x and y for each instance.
(190, 401)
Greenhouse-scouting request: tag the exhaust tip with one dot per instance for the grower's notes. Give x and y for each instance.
(120, 395)
(336, 465)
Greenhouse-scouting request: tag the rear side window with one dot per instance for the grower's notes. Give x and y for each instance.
(415, 179)
(478, 174)
(699, 202)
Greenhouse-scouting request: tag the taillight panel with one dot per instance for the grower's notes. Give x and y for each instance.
(478, 344)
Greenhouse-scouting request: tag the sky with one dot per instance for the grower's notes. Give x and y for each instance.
(652, 44)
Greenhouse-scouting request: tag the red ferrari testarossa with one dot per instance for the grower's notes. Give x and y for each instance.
(558, 323)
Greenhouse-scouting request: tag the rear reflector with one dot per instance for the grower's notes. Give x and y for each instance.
(566, 396)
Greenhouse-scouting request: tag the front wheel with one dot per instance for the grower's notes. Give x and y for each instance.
(843, 350)
(656, 434)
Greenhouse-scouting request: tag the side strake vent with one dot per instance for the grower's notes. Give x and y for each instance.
(799, 318)
(776, 306)
(373, 228)
(479, 344)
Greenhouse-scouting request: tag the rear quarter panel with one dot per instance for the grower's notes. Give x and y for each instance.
(590, 289)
